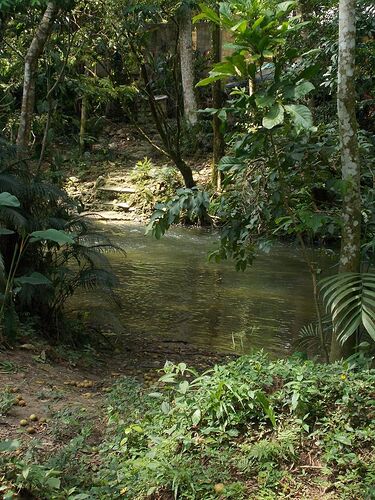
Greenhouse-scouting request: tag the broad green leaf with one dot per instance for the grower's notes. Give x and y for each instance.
(207, 13)
(298, 91)
(183, 387)
(257, 22)
(208, 111)
(226, 67)
(343, 438)
(265, 403)
(302, 89)
(301, 116)
(196, 417)
(209, 80)
(275, 116)
(222, 115)
(285, 6)
(33, 279)
(9, 445)
(8, 200)
(25, 472)
(4, 231)
(54, 235)
(240, 26)
(295, 399)
(137, 428)
(54, 482)
(264, 101)
(165, 407)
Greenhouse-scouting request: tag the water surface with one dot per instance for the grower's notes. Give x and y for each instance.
(170, 291)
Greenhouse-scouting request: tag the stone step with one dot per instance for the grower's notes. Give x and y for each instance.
(123, 205)
(117, 189)
(109, 215)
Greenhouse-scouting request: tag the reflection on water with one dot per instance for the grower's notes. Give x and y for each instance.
(171, 291)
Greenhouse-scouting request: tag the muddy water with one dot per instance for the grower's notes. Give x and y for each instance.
(170, 291)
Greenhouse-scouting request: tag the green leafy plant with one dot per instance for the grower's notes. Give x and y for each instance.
(188, 205)
(48, 250)
(153, 184)
(7, 400)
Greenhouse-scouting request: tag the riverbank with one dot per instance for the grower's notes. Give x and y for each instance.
(250, 429)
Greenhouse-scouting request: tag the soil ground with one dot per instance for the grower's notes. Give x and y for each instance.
(47, 381)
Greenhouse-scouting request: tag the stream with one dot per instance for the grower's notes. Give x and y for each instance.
(171, 292)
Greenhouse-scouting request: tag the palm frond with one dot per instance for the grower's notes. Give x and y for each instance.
(57, 223)
(350, 298)
(12, 184)
(90, 255)
(309, 335)
(91, 279)
(79, 225)
(48, 193)
(13, 219)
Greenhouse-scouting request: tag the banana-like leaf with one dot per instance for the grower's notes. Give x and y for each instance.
(33, 279)
(59, 237)
(8, 200)
(350, 298)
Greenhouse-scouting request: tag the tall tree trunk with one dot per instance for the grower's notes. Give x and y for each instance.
(217, 103)
(31, 64)
(350, 255)
(187, 64)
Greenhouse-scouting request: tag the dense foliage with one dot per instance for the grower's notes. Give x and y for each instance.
(251, 429)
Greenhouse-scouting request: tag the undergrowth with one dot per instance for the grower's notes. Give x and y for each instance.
(251, 429)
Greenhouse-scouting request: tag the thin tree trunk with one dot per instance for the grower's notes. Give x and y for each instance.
(31, 64)
(217, 103)
(350, 255)
(187, 64)
(172, 151)
(45, 135)
(185, 170)
(83, 123)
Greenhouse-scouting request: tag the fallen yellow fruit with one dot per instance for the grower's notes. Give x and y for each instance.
(219, 487)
